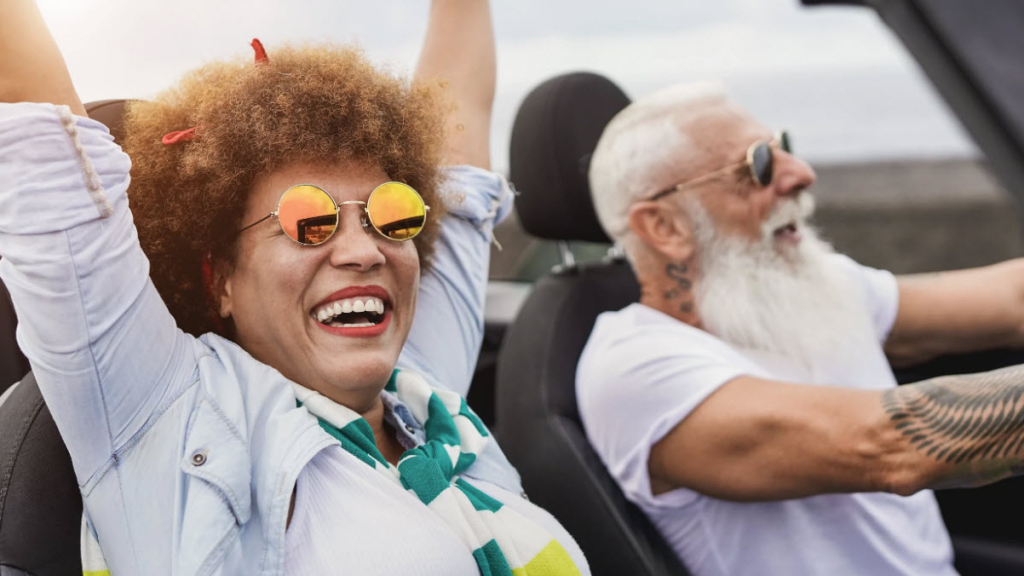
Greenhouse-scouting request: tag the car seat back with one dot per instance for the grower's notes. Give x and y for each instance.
(556, 129)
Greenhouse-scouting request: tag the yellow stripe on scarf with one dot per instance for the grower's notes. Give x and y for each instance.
(552, 560)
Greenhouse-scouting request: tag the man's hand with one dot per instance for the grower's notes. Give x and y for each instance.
(962, 311)
(458, 53)
(31, 66)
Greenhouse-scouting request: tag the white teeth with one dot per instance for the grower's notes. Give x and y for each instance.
(368, 305)
(341, 325)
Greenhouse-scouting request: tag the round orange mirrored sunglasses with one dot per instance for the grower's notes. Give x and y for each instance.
(309, 215)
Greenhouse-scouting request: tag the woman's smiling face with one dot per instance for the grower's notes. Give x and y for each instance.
(277, 289)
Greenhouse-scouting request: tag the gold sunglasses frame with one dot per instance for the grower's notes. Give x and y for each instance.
(780, 137)
(366, 220)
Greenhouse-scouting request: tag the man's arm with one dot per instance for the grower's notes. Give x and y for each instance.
(458, 52)
(959, 311)
(755, 440)
(31, 67)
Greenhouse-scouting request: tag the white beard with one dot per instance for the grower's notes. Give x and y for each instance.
(793, 300)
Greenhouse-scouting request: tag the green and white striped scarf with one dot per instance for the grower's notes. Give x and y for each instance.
(502, 541)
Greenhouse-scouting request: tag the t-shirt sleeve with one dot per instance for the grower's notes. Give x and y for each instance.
(881, 294)
(635, 386)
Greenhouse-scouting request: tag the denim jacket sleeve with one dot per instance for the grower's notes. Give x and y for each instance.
(104, 349)
(448, 327)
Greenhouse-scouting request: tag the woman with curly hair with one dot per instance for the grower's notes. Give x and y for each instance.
(255, 370)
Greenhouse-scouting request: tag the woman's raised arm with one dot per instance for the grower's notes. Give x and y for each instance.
(31, 66)
(459, 51)
(103, 347)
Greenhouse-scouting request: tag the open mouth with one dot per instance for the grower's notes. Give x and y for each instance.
(786, 231)
(354, 312)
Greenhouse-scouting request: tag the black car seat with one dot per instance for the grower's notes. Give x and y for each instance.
(40, 505)
(555, 131)
(13, 365)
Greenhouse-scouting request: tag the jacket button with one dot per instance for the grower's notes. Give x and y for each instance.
(409, 429)
(198, 459)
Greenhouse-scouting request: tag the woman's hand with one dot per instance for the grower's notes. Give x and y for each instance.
(458, 51)
(31, 66)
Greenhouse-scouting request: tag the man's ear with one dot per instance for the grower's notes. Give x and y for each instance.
(662, 228)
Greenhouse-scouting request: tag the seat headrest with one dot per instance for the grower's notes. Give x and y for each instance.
(554, 134)
(111, 114)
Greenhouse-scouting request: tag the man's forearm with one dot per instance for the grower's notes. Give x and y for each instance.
(971, 427)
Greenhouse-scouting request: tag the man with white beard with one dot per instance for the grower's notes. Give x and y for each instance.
(746, 403)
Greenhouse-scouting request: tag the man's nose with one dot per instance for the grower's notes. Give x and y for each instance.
(354, 246)
(792, 175)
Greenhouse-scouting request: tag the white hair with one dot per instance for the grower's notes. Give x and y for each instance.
(640, 142)
(797, 302)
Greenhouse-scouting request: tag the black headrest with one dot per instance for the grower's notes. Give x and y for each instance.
(555, 132)
(13, 365)
(111, 114)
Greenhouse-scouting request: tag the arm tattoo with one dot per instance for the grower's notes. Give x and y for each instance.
(974, 422)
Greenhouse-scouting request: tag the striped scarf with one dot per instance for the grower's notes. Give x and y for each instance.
(502, 541)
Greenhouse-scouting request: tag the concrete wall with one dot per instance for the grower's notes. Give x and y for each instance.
(918, 216)
(904, 216)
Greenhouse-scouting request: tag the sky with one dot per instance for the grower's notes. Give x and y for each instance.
(836, 77)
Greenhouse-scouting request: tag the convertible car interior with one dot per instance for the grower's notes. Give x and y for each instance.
(972, 56)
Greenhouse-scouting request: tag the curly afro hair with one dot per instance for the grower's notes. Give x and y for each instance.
(322, 104)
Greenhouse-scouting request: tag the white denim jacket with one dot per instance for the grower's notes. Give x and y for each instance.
(186, 450)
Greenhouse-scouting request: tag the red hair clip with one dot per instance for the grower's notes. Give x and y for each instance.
(172, 138)
(261, 54)
(180, 136)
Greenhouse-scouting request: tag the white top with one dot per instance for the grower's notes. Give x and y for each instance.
(642, 372)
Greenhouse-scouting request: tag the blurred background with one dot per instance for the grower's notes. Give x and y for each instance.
(900, 184)
(836, 78)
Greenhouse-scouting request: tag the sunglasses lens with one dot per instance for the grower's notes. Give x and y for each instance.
(307, 214)
(761, 163)
(396, 211)
(785, 143)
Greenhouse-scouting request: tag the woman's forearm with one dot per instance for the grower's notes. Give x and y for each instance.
(969, 427)
(32, 68)
(459, 52)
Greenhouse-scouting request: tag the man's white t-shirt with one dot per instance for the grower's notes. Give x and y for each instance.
(642, 372)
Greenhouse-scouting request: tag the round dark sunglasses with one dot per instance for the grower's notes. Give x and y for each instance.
(759, 163)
